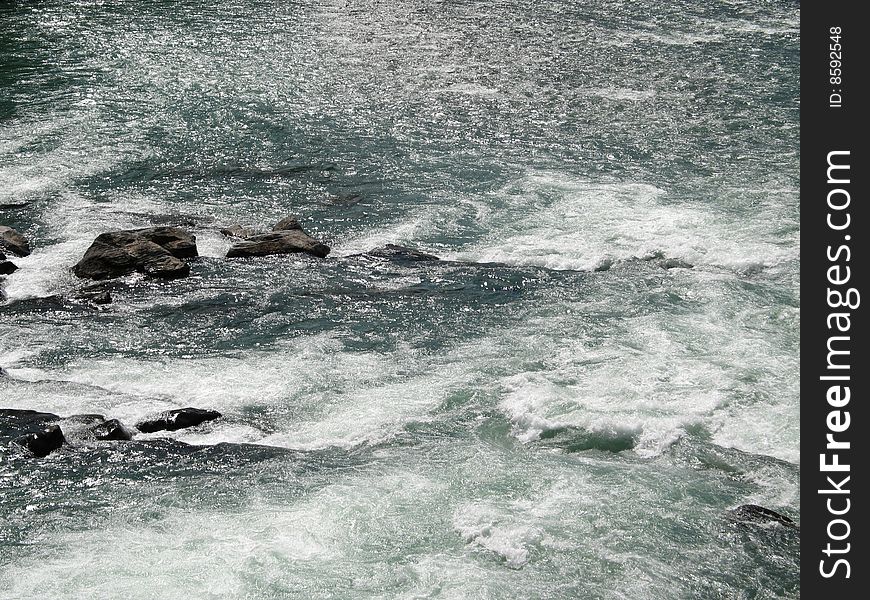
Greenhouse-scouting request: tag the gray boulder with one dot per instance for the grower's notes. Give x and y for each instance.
(13, 241)
(154, 251)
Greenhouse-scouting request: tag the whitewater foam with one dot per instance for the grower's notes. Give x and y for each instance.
(560, 222)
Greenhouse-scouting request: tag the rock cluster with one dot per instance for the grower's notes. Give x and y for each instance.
(46, 433)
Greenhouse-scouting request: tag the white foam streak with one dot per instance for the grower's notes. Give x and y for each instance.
(558, 222)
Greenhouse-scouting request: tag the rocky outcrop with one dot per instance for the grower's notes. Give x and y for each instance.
(154, 251)
(172, 420)
(7, 267)
(752, 513)
(42, 443)
(13, 241)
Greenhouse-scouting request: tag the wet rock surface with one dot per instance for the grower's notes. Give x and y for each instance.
(154, 251)
(13, 241)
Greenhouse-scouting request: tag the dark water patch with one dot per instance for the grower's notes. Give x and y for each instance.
(579, 439)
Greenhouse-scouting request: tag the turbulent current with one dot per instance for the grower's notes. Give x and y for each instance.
(546, 412)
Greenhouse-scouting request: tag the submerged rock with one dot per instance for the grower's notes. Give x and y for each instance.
(44, 442)
(112, 429)
(173, 420)
(7, 267)
(752, 513)
(396, 252)
(13, 241)
(154, 251)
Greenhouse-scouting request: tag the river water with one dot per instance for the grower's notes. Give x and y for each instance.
(547, 412)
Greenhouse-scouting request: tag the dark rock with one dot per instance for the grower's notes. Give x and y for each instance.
(2, 256)
(395, 252)
(290, 223)
(752, 513)
(279, 242)
(13, 241)
(7, 267)
(239, 231)
(155, 251)
(3, 372)
(112, 429)
(674, 263)
(13, 205)
(173, 420)
(44, 442)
